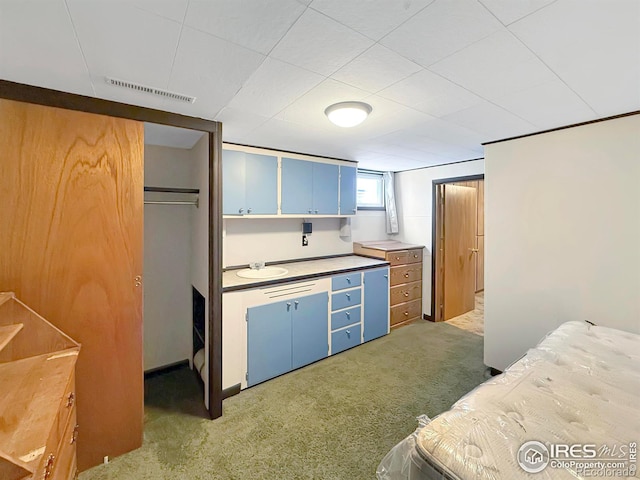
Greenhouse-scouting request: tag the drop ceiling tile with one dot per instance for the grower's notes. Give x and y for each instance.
(376, 69)
(601, 61)
(450, 133)
(441, 29)
(508, 11)
(548, 105)
(125, 42)
(494, 66)
(254, 25)
(430, 93)
(373, 18)
(41, 49)
(171, 9)
(237, 124)
(211, 69)
(309, 109)
(320, 44)
(273, 86)
(493, 122)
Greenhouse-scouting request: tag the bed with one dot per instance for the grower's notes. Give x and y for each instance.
(579, 386)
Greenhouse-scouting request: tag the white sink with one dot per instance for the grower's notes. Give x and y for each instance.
(266, 272)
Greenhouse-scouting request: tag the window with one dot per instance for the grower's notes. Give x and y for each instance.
(370, 191)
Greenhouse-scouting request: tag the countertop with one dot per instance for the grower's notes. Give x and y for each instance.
(387, 245)
(302, 270)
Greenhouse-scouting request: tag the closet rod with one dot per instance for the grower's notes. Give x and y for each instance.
(171, 190)
(158, 202)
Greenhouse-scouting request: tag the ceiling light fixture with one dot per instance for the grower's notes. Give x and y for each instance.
(348, 114)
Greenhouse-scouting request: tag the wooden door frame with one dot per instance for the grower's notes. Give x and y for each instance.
(435, 230)
(70, 101)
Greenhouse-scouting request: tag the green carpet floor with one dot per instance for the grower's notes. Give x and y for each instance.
(335, 419)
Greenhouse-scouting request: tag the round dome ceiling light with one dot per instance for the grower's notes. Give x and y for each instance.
(348, 114)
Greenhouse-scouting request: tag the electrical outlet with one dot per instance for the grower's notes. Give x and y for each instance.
(305, 241)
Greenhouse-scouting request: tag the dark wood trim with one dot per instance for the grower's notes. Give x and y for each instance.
(581, 124)
(70, 101)
(171, 190)
(441, 164)
(154, 372)
(231, 391)
(215, 272)
(299, 278)
(428, 318)
(434, 227)
(293, 153)
(494, 371)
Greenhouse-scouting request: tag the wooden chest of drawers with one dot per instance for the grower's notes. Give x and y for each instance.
(405, 276)
(37, 406)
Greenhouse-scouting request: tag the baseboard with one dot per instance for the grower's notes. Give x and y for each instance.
(154, 372)
(231, 391)
(427, 317)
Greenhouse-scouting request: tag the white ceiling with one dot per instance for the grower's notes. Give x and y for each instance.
(442, 76)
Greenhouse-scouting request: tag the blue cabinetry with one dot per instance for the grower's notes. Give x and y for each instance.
(285, 335)
(376, 303)
(309, 187)
(348, 190)
(249, 183)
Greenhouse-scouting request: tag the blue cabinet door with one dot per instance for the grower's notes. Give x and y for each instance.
(310, 329)
(348, 190)
(297, 184)
(268, 341)
(325, 188)
(233, 180)
(261, 184)
(376, 303)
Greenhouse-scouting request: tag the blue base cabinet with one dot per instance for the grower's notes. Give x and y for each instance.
(376, 303)
(286, 335)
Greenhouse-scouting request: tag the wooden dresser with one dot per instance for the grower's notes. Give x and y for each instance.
(406, 277)
(38, 428)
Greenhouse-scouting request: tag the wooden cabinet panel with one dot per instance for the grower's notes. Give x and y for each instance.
(406, 292)
(405, 312)
(406, 274)
(71, 248)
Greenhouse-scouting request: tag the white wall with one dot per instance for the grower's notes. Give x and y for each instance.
(563, 234)
(276, 239)
(414, 190)
(200, 241)
(167, 252)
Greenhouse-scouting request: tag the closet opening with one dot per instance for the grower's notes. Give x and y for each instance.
(176, 276)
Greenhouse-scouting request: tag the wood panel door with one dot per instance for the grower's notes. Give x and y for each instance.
(71, 227)
(459, 244)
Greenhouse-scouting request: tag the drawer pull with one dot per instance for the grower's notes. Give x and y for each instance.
(415, 255)
(348, 314)
(348, 280)
(348, 332)
(406, 294)
(71, 400)
(406, 314)
(406, 275)
(74, 435)
(386, 276)
(48, 466)
(397, 258)
(348, 296)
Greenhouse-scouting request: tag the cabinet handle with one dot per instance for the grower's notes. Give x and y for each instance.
(48, 466)
(310, 211)
(348, 314)
(249, 210)
(406, 275)
(288, 306)
(406, 294)
(348, 280)
(386, 276)
(354, 210)
(397, 258)
(70, 400)
(348, 296)
(348, 332)
(240, 210)
(415, 255)
(296, 304)
(74, 435)
(406, 314)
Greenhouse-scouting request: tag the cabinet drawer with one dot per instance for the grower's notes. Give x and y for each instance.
(399, 257)
(349, 280)
(406, 274)
(345, 338)
(406, 292)
(406, 311)
(345, 299)
(414, 256)
(345, 317)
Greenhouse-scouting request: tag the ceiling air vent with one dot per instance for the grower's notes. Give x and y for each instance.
(152, 90)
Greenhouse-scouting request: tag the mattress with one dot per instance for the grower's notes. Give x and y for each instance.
(580, 385)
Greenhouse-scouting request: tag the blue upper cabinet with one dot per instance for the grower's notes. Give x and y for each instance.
(348, 190)
(325, 189)
(376, 303)
(309, 188)
(297, 185)
(249, 183)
